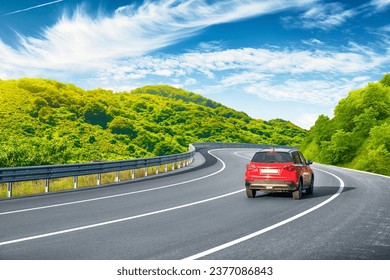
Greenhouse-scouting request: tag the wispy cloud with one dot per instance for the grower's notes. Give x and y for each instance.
(380, 4)
(331, 15)
(315, 77)
(312, 42)
(33, 7)
(353, 60)
(304, 91)
(322, 16)
(385, 28)
(77, 39)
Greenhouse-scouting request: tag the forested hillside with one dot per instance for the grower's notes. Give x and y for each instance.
(358, 136)
(48, 122)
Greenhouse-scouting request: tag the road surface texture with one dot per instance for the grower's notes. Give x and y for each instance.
(202, 212)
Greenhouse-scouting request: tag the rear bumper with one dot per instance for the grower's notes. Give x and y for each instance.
(271, 185)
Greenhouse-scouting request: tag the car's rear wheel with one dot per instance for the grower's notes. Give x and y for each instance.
(250, 193)
(298, 193)
(310, 190)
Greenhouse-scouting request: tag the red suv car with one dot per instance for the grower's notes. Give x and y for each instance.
(279, 170)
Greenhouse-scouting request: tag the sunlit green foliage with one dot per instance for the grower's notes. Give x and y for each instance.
(48, 122)
(359, 134)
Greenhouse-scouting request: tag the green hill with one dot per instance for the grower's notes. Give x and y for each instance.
(358, 136)
(48, 122)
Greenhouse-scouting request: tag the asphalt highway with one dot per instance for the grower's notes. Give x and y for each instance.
(202, 212)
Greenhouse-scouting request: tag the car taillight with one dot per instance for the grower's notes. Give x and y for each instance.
(251, 167)
(289, 167)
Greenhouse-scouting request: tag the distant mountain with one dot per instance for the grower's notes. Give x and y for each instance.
(358, 136)
(48, 122)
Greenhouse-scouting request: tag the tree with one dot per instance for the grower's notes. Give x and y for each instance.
(322, 129)
(46, 115)
(380, 135)
(96, 114)
(121, 125)
(341, 148)
(385, 80)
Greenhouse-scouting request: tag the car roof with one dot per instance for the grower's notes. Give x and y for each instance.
(279, 149)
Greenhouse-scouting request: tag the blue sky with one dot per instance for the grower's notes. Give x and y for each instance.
(269, 58)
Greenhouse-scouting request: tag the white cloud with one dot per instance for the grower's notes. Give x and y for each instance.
(322, 16)
(245, 78)
(78, 42)
(327, 16)
(246, 65)
(306, 91)
(190, 81)
(211, 46)
(311, 77)
(305, 120)
(380, 4)
(313, 42)
(385, 28)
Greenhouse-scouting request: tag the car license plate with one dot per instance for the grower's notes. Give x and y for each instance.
(269, 171)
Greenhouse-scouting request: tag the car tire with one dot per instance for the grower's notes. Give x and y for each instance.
(250, 193)
(310, 190)
(298, 193)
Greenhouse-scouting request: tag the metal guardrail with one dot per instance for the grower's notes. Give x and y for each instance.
(221, 145)
(47, 172)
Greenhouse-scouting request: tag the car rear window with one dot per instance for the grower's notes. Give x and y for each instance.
(271, 157)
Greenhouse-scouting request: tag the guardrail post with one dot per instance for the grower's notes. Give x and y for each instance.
(99, 177)
(47, 185)
(166, 167)
(75, 182)
(173, 166)
(132, 174)
(10, 189)
(117, 176)
(157, 169)
(146, 171)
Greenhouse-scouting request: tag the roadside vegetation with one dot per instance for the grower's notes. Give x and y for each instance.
(46, 122)
(358, 136)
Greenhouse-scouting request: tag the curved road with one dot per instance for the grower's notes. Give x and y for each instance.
(203, 213)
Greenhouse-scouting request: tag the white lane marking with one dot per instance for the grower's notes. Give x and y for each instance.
(257, 233)
(117, 220)
(236, 153)
(118, 195)
(359, 171)
(131, 217)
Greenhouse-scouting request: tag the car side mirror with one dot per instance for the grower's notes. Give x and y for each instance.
(309, 162)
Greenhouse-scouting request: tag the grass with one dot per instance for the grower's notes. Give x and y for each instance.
(3, 190)
(61, 184)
